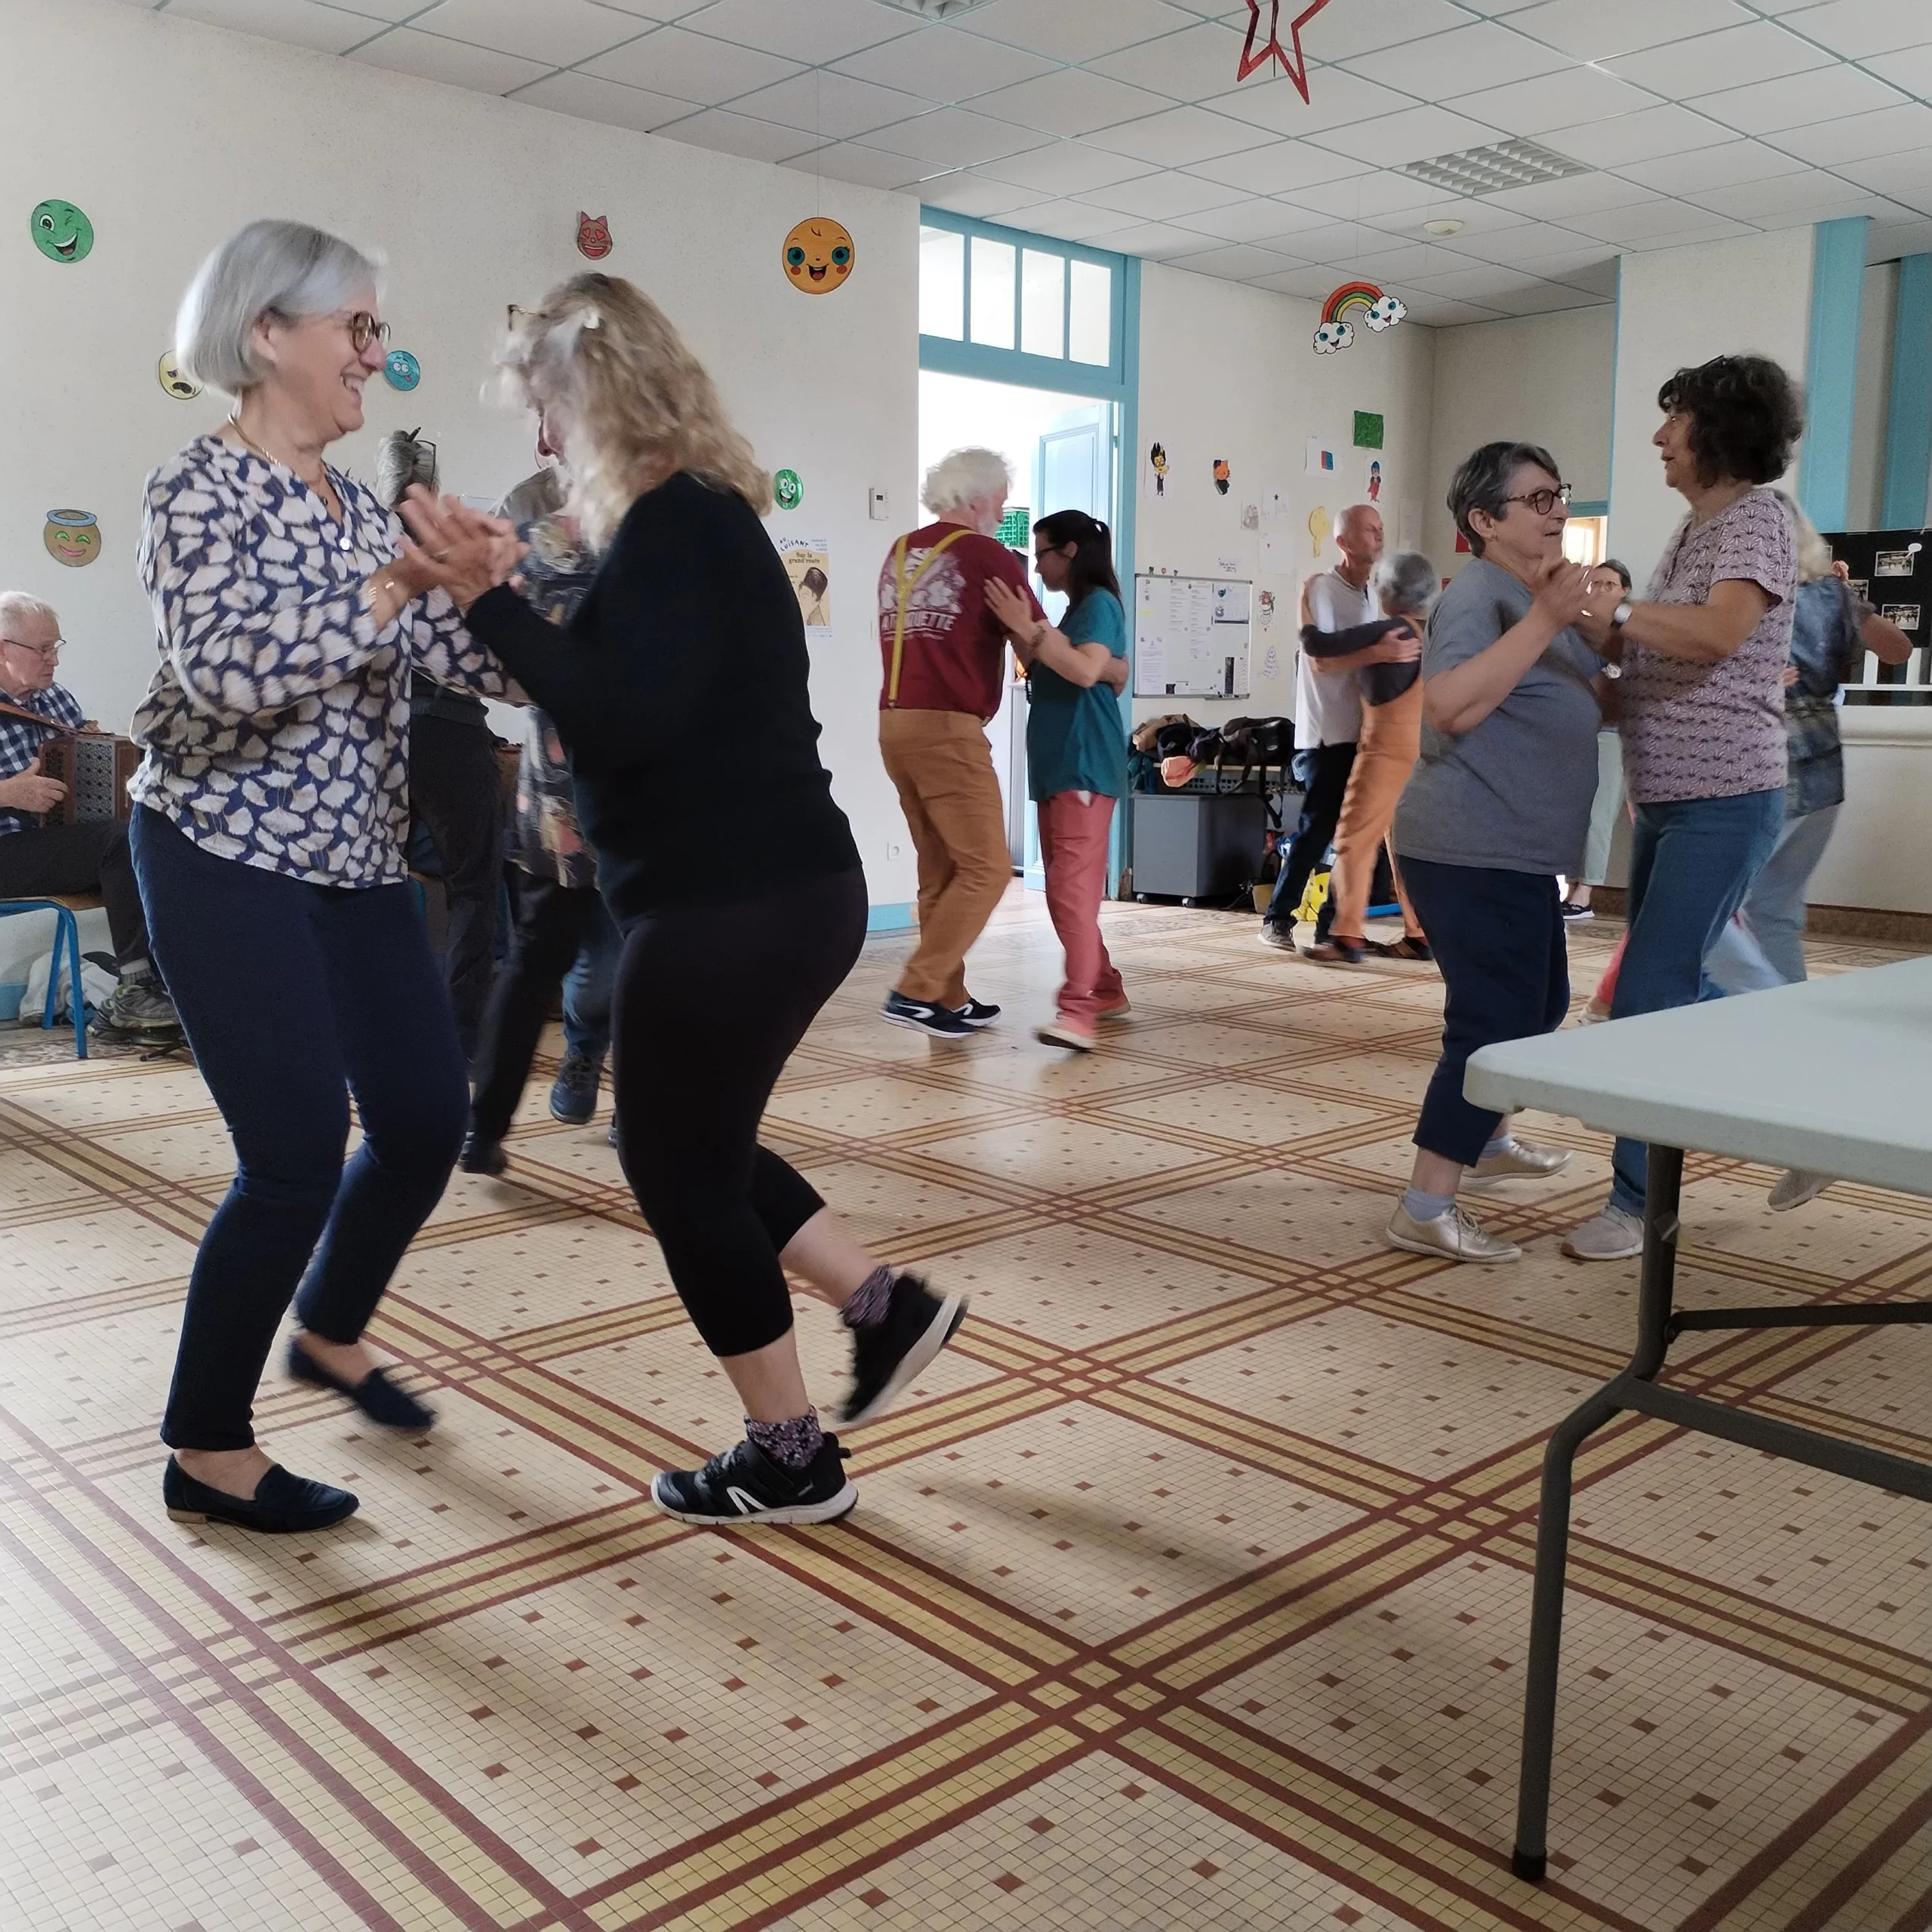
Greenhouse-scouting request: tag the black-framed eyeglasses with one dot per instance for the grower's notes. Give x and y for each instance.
(1541, 502)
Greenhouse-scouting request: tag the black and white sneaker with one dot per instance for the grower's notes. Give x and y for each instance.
(744, 1485)
(889, 1356)
(941, 1022)
(978, 1012)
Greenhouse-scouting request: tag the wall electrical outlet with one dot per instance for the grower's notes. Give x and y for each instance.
(894, 848)
(879, 504)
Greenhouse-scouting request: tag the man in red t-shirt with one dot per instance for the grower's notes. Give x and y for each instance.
(945, 655)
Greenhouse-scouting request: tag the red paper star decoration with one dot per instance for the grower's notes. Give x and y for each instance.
(1295, 65)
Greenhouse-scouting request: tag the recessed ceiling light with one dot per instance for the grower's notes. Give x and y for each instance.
(1442, 228)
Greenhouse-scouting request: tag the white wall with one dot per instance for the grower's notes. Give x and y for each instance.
(1227, 371)
(1677, 307)
(1536, 379)
(170, 135)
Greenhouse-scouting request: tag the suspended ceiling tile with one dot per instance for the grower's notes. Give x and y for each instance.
(1860, 137)
(300, 22)
(1336, 98)
(1342, 31)
(942, 64)
(1279, 168)
(565, 32)
(1192, 65)
(826, 30)
(1070, 101)
(1593, 30)
(1477, 282)
(1573, 97)
(1480, 55)
(1712, 168)
(660, 10)
(394, 11)
(1476, 216)
(1911, 69)
(693, 67)
(1581, 194)
(403, 50)
(866, 167)
(1857, 29)
(1906, 178)
(1155, 241)
(834, 107)
(1382, 197)
(727, 132)
(590, 98)
(1761, 51)
(1414, 134)
(1646, 222)
(1543, 298)
(1311, 285)
(1644, 136)
(1600, 279)
(1444, 312)
(967, 193)
(1700, 238)
(1164, 197)
(1886, 241)
(1254, 218)
(1070, 221)
(1242, 261)
(1541, 246)
(1064, 168)
(1074, 30)
(1179, 137)
(955, 137)
(1801, 196)
(1798, 100)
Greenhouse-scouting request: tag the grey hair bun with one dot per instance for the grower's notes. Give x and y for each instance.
(403, 458)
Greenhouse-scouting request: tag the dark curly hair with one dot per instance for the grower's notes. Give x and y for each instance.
(1746, 416)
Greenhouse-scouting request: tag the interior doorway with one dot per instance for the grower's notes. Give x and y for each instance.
(1061, 449)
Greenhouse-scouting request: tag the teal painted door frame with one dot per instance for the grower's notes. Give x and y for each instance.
(1908, 424)
(1831, 372)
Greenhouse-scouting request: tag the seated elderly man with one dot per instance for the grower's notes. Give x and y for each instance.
(39, 861)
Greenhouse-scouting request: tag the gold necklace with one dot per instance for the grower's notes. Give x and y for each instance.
(317, 484)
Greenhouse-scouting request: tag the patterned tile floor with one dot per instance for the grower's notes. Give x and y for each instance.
(1188, 1591)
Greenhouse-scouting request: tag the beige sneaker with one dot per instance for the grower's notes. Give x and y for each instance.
(1517, 1161)
(1615, 1235)
(1120, 1010)
(1065, 1033)
(1454, 1236)
(1794, 1187)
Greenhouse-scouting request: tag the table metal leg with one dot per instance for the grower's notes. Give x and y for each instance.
(1530, 1859)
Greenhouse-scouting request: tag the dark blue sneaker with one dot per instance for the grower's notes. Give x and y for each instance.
(941, 1022)
(574, 1092)
(978, 1012)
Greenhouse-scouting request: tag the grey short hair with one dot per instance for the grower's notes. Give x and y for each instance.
(284, 266)
(963, 477)
(402, 457)
(16, 603)
(1406, 584)
(1483, 481)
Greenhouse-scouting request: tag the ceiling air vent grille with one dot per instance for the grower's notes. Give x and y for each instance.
(1511, 163)
(935, 9)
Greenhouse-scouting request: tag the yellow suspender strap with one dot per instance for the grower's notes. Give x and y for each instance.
(906, 590)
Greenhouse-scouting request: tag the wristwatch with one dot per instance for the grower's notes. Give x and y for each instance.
(1619, 616)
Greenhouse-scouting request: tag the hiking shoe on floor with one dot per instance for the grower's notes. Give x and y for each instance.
(1518, 1161)
(1282, 938)
(481, 1155)
(978, 1012)
(1615, 1235)
(890, 1356)
(941, 1022)
(1794, 1187)
(574, 1092)
(744, 1485)
(1454, 1236)
(137, 1006)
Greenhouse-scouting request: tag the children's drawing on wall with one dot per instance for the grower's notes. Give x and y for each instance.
(787, 491)
(1319, 524)
(72, 537)
(60, 230)
(808, 563)
(400, 370)
(1319, 458)
(1266, 603)
(1271, 665)
(1223, 476)
(593, 235)
(1159, 476)
(819, 256)
(1368, 432)
(182, 389)
(1372, 481)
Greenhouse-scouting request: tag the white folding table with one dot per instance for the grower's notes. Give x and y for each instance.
(1835, 1075)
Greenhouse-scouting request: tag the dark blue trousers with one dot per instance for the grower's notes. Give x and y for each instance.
(1498, 937)
(294, 998)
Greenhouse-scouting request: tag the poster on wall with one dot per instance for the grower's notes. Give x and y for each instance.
(1160, 472)
(808, 563)
(1319, 457)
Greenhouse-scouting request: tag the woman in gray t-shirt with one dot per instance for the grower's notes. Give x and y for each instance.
(1499, 805)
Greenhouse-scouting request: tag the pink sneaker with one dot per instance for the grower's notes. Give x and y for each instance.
(1121, 1008)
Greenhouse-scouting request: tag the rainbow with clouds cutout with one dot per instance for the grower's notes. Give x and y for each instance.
(1379, 311)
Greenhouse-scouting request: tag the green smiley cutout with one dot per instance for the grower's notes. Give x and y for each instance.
(60, 232)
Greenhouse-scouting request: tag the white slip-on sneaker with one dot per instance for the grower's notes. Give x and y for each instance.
(1614, 1234)
(1794, 1187)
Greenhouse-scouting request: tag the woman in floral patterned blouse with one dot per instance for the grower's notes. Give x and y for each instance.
(271, 810)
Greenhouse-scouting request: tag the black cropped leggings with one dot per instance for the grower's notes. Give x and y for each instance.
(710, 1001)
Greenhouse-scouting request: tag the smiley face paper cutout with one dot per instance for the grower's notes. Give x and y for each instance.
(167, 372)
(60, 230)
(72, 537)
(400, 370)
(819, 256)
(593, 235)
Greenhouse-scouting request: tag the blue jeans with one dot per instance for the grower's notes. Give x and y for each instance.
(1498, 937)
(588, 987)
(1329, 767)
(1764, 946)
(1691, 861)
(293, 997)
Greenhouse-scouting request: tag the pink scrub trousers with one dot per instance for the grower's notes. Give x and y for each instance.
(1073, 836)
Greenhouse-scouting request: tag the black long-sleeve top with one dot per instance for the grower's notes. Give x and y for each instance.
(1379, 682)
(680, 689)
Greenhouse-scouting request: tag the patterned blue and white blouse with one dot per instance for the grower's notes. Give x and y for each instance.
(277, 728)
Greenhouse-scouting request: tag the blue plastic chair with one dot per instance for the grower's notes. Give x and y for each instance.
(67, 933)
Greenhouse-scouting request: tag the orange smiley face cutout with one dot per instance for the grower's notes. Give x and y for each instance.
(819, 256)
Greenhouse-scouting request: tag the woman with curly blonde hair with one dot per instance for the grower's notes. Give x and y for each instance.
(691, 623)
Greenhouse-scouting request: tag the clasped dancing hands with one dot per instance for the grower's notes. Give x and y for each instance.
(456, 549)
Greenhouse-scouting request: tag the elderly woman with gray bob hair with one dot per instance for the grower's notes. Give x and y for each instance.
(269, 812)
(1498, 806)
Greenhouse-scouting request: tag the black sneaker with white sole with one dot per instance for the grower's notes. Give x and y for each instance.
(941, 1022)
(887, 1357)
(744, 1485)
(978, 1012)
